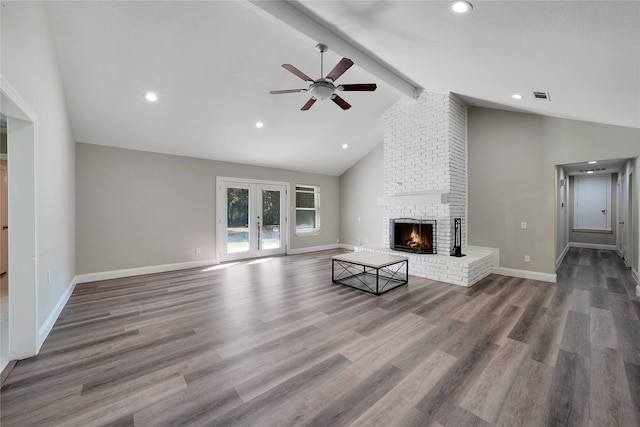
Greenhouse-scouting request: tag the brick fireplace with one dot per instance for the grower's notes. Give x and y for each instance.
(425, 178)
(425, 154)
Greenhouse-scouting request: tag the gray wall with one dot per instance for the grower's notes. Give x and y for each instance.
(360, 187)
(509, 184)
(513, 171)
(138, 209)
(512, 159)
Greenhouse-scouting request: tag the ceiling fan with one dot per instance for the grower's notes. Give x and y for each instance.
(324, 88)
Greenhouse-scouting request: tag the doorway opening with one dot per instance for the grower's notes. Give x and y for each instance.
(23, 320)
(594, 204)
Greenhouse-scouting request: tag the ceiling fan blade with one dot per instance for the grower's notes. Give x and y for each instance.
(308, 105)
(340, 68)
(297, 72)
(362, 87)
(277, 92)
(341, 102)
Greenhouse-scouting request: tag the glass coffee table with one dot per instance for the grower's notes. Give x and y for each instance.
(370, 271)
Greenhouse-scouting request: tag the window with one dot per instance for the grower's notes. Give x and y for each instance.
(307, 209)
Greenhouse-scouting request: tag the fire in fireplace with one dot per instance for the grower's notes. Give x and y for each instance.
(413, 235)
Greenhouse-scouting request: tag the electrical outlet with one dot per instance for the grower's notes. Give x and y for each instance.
(49, 276)
(527, 258)
(523, 225)
(198, 250)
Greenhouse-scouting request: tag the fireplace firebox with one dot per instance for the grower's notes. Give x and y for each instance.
(413, 235)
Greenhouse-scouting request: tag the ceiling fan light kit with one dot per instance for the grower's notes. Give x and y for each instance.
(321, 89)
(325, 88)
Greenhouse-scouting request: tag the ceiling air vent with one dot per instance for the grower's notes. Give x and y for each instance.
(543, 96)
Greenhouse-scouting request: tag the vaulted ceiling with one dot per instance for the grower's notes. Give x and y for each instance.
(212, 65)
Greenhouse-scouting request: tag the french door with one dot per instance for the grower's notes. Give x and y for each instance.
(251, 219)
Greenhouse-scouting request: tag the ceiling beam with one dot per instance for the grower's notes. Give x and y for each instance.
(294, 15)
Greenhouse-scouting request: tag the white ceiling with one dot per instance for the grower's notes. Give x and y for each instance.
(213, 63)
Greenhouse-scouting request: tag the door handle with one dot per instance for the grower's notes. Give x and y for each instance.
(604, 211)
(259, 237)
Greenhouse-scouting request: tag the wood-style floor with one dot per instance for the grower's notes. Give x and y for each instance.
(274, 342)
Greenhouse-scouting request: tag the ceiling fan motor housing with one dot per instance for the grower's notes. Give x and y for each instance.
(322, 89)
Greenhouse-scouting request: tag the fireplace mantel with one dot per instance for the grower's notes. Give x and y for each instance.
(415, 199)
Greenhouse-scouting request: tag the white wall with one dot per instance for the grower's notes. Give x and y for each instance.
(138, 209)
(360, 214)
(30, 65)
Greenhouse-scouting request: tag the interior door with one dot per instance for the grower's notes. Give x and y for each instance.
(4, 220)
(626, 218)
(622, 211)
(592, 198)
(253, 220)
(4, 266)
(628, 247)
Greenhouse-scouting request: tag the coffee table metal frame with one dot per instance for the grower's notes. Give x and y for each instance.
(375, 273)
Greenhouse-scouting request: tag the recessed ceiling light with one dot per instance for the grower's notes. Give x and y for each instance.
(461, 6)
(259, 125)
(345, 146)
(516, 96)
(151, 97)
(592, 162)
(589, 171)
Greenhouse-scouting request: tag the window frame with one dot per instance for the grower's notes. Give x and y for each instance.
(316, 208)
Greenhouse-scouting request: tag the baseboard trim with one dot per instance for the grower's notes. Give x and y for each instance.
(525, 274)
(139, 271)
(593, 246)
(313, 249)
(562, 255)
(6, 370)
(46, 327)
